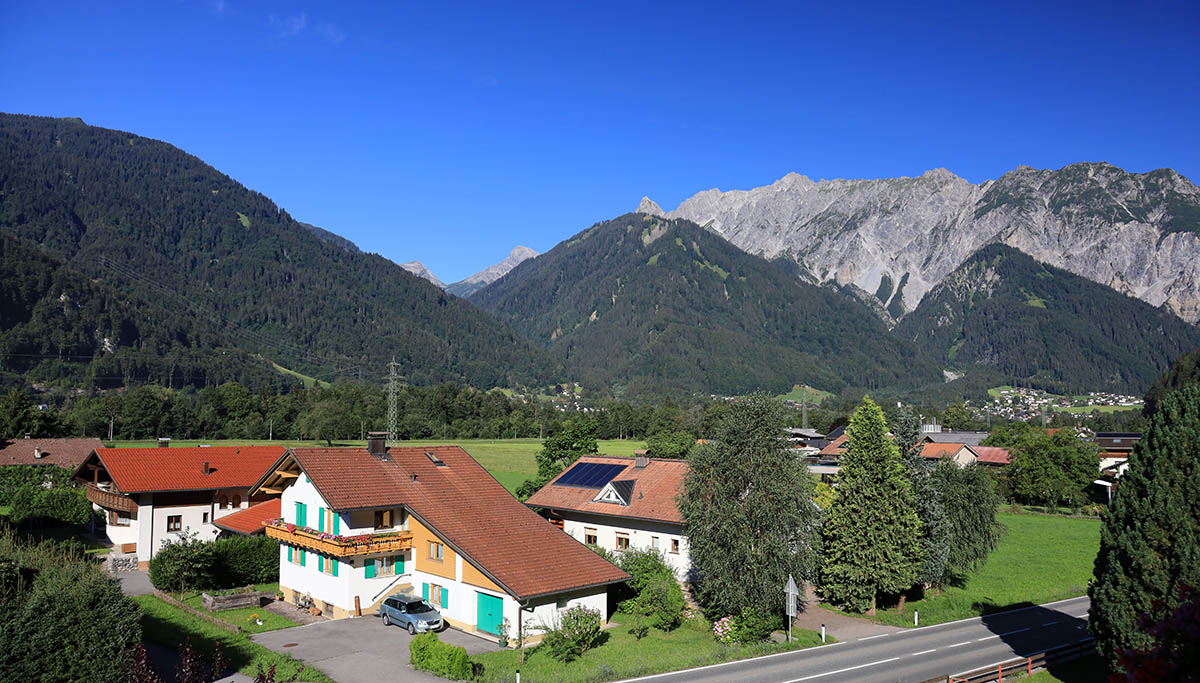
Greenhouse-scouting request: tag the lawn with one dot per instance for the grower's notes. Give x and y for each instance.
(170, 626)
(1083, 670)
(623, 656)
(245, 617)
(1040, 559)
(806, 393)
(511, 461)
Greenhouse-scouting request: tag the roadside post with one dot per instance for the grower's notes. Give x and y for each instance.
(791, 592)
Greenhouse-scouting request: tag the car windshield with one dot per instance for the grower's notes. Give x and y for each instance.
(419, 607)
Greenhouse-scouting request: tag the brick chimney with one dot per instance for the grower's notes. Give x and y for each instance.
(205, 468)
(377, 443)
(641, 461)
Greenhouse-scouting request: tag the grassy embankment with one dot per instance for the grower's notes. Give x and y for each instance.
(511, 461)
(169, 626)
(623, 656)
(1040, 559)
(246, 618)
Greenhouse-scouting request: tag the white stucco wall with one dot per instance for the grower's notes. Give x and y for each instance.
(148, 526)
(641, 534)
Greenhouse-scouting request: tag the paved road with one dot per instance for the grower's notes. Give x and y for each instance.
(910, 655)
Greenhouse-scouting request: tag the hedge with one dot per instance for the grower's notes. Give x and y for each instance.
(427, 653)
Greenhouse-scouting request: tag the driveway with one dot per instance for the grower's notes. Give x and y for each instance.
(362, 649)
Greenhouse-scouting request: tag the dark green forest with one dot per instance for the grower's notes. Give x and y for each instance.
(650, 304)
(157, 224)
(1045, 327)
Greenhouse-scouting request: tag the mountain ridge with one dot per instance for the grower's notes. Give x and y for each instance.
(468, 286)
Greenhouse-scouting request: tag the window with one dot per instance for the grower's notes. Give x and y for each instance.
(589, 537)
(622, 541)
(329, 566)
(675, 545)
(174, 522)
(118, 518)
(223, 502)
(388, 566)
(436, 550)
(237, 501)
(654, 542)
(296, 555)
(383, 519)
(435, 595)
(204, 518)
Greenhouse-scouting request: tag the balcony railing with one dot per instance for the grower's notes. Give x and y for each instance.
(336, 545)
(110, 500)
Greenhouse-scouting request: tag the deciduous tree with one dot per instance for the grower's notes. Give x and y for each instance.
(577, 439)
(935, 527)
(969, 499)
(1052, 469)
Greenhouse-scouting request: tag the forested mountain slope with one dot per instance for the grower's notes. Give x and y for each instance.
(159, 224)
(655, 305)
(56, 324)
(1042, 325)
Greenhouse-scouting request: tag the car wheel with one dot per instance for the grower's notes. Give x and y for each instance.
(386, 621)
(412, 630)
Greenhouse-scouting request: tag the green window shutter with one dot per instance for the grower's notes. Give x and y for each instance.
(303, 514)
(290, 554)
(299, 514)
(302, 557)
(369, 569)
(321, 519)
(335, 565)
(445, 598)
(320, 563)
(337, 523)
(425, 591)
(399, 563)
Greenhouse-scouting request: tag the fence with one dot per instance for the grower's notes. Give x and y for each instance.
(1022, 665)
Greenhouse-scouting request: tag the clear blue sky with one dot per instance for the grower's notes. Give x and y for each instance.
(448, 132)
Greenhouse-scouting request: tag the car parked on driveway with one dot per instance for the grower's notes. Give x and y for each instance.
(413, 613)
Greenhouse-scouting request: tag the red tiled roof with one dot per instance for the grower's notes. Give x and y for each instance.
(835, 447)
(992, 455)
(658, 483)
(250, 520)
(941, 450)
(467, 507)
(66, 453)
(135, 470)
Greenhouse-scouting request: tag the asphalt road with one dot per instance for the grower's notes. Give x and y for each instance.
(910, 655)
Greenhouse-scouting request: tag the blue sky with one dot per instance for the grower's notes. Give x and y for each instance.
(450, 132)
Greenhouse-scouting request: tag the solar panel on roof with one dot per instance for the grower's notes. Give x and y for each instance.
(590, 475)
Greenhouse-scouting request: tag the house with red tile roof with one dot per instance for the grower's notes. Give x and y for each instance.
(964, 454)
(621, 503)
(151, 495)
(361, 524)
(250, 521)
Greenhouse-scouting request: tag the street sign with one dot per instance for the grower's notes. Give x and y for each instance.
(792, 593)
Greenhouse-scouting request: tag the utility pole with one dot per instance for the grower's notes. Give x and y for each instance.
(395, 381)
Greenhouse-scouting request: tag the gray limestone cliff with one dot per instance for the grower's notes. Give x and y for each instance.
(417, 268)
(487, 276)
(894, 239)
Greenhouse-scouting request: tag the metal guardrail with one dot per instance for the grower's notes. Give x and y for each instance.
(1021, 665)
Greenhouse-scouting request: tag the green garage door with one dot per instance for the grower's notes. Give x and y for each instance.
(491, 611)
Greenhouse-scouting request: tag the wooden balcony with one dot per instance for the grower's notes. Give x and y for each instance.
(110, 500)
(339, 546)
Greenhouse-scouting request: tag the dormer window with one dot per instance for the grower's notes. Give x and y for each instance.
(616, 492)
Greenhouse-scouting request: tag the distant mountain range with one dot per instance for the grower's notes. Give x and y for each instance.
(465, 288)
(893, 240)
(417, 268)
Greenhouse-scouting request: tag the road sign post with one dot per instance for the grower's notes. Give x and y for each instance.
(790, 592)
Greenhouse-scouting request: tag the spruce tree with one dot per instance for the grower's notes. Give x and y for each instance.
(1150, 539)
(935, 528)
(872, 538)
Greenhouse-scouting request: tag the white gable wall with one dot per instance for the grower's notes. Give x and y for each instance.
(641, 534)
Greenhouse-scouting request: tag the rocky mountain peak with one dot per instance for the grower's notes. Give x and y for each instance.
(487, 276)
(417, 268)
(648, 205)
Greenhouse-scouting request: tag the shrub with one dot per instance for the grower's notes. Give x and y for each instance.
(183, 563)
(753, 625)
(56, 505)
(577, 631)
(662, 600)
(427, 653)
(723, 630)
(243, 560)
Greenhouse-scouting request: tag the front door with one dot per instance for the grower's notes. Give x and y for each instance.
(490, 612)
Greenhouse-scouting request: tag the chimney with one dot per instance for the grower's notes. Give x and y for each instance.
(377, 443)
(164, 442)
(37, 452)
(205, 468)
(26, 435)
(641, 461)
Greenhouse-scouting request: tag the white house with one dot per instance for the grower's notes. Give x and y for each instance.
(359, 525)
(621, 503)
(151, 495)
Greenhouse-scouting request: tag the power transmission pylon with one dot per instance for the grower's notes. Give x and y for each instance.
(395, 381)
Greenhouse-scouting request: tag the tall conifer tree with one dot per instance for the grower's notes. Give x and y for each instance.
(872, 537)
(1150, 540)
(935, 528)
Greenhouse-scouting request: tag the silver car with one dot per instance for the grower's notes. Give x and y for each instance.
(413, 613)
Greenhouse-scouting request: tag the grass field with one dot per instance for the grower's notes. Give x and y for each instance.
(307, 381)
(1085, 410)
(511, 461)
(1041, 558)
(169, 626)
(623, 656)
(245, 617)
(1084, 670)
(811, 394)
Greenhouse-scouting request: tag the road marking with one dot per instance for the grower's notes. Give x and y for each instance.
(1050, 623)
(980, 640)
(965, 642)
(841, 671)
(878, 636)
(924, 652)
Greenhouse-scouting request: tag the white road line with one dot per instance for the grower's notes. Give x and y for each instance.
(965, 642)
(878, 636)
(980, 640)
(1020, 630)
(841, 671)
(923, 652)
(1050, 623)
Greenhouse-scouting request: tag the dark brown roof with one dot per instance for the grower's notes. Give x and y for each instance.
(467, 507)
(66, 453)
(250, 520)
(652, 495)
